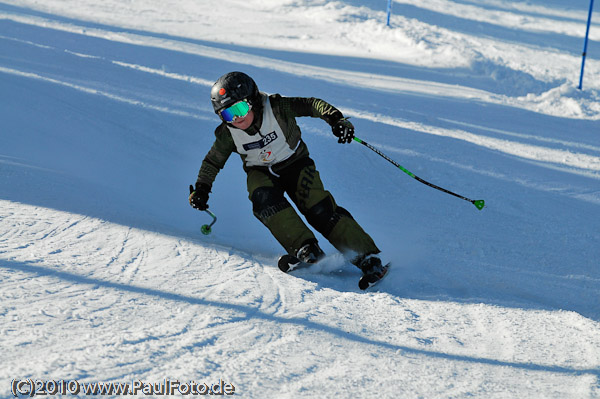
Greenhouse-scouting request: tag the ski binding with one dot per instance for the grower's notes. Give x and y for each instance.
(368, 281)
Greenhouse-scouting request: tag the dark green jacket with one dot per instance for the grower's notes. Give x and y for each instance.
(286, 110)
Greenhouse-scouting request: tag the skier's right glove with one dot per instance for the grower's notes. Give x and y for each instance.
(199, 197)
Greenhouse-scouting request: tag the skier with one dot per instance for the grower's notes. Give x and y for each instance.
(262, 129)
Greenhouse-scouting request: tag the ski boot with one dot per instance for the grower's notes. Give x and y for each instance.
(309, 254)
(373, 271)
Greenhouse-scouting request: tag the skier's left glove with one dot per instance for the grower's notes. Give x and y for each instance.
(343, 130)
(199, 197)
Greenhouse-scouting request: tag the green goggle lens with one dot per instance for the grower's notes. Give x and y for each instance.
(237, 110)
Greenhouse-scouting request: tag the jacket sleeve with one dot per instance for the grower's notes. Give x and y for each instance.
(310, 106)
(216, 157)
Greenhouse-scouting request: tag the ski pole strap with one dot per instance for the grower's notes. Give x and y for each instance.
(479, 204)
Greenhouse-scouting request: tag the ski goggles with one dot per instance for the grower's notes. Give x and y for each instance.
(237, 110)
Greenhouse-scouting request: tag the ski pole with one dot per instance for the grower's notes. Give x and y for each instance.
(585, 44)
(478, 203)
(206, 228)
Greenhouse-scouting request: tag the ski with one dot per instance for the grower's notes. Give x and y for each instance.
(287, 263)
(368, 281)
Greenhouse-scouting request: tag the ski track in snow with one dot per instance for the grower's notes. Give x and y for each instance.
(99, 279)
(497, 304)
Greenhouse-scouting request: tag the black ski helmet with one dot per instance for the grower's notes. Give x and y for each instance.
(231, 88)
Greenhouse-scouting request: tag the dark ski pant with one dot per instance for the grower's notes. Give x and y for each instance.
(303, 185)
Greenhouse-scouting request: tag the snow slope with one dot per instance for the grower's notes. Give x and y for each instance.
(105, 276)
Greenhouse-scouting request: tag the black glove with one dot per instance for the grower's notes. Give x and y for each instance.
(199, 197)
(343, 130)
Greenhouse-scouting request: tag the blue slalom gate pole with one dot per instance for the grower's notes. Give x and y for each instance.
(585, 43)
(389, 11)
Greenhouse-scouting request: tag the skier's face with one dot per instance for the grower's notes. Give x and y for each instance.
(244, 122)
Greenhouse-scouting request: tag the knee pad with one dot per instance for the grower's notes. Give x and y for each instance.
(324, 215)
(267, 201)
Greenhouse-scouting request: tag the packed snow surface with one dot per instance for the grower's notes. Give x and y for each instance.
(104, 274)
